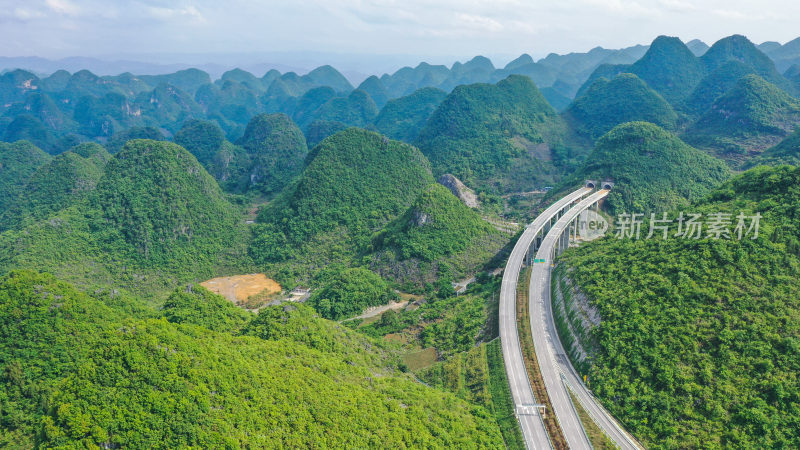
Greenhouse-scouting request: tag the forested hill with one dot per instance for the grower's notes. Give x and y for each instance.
(493, 136)
(148, 215)
(698, 340)
(437, 236)
(355, 182)
(786, 152)
(752, 116)
(57, 111)
(625, 98)
(77, 372)
(652, 168)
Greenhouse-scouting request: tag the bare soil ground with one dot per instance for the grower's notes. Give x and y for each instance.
(244, 290)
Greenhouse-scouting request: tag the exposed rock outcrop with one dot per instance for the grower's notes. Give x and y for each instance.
(460, 190)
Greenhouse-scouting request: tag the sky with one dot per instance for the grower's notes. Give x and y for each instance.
(378, 32)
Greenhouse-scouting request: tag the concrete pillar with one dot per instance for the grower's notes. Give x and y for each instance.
(576, 228)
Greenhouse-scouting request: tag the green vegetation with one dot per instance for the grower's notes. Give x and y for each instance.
(437, 231)
(437, 224)
(118, 140)
(502, 402)
(349, 292)
(478, 375)
(357, 109)
(739, 48)
(304, 111)
(356, 182)
(625, 98)
(156, 198)
(377, 92)
(786, 152)
(717, 83)
(318, 130)
(793, 75)
(693, 83)
(64, 181)
(489, 136)
(29, 128)
(226, 162)
(750, 117)
(403, 118)
(299, 323)
(596, 436)
(76, 373)
(18, 162)
(328, 76)
(698, 342)
(669, 68)
(155, 217)
(652, 169)
(202, 139)
(277, 149)
(451, 324)
(198, 306)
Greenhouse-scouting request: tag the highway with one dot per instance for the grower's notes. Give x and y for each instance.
(555, 367)
(531, 424)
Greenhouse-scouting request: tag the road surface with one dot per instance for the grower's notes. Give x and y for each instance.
(555, 367)
(531, 424)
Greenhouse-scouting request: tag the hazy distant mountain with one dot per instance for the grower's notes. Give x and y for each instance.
(64, 108)
(697, 47)
(116, 67)
(786, 55)
(673, 70)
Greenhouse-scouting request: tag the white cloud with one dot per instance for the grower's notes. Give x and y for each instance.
(678, 5)
(450, 29)
(477, 22)
(26, 14)
(63, 7)
(730, 14)
(188, 12)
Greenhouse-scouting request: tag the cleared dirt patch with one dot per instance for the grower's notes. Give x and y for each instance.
(249, 291)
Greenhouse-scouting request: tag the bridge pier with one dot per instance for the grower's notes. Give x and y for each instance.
(569, 235)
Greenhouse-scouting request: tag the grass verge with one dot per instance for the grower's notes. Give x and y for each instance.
(532, 364)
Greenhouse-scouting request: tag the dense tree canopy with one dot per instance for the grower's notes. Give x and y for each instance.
(751, 116)
(76, 373)
(698, 343)
(157, 198)
(357, 179)
(350, 292)
(487, 135)
(626, 98)
(652, 168)
(64, 181)
(277, 149)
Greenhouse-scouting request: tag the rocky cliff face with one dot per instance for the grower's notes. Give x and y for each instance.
(460, 190)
